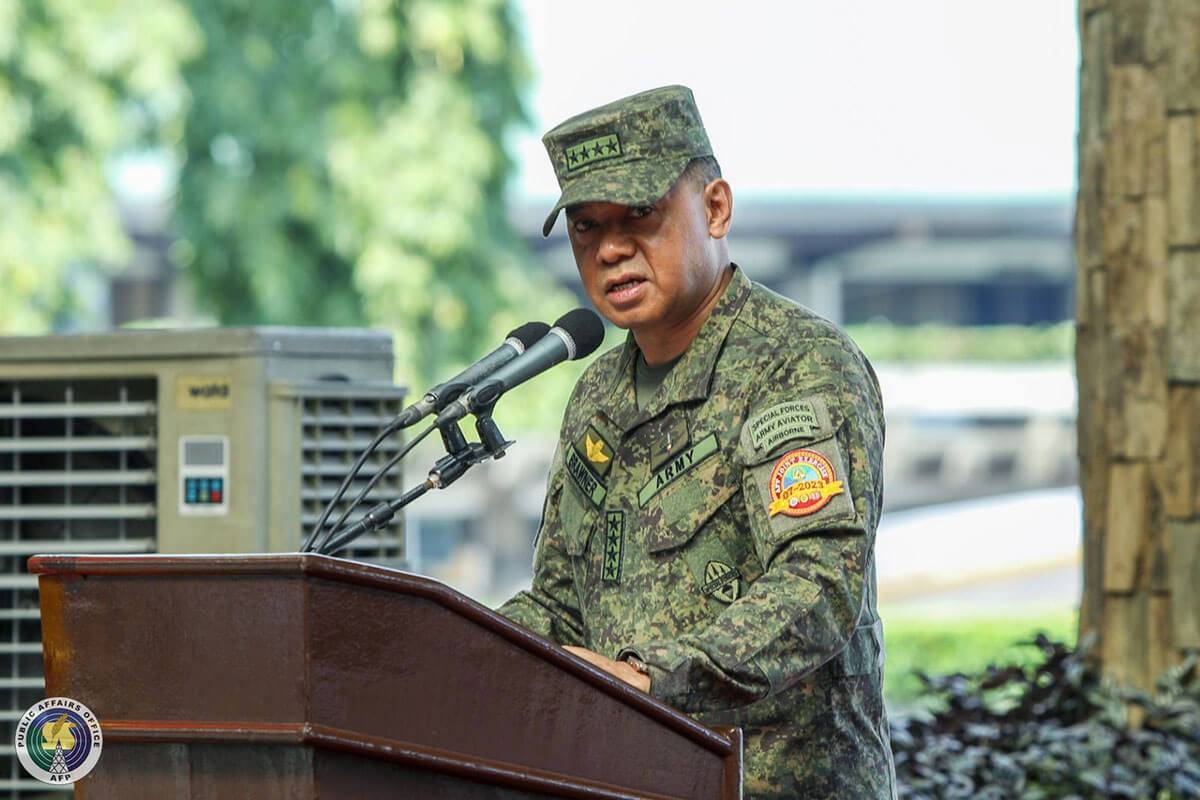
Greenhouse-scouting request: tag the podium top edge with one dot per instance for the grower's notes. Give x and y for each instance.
(312, 565)
(304, 565)
(193, 563)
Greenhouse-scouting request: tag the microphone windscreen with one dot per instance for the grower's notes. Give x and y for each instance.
(585, 328)
(529, 333)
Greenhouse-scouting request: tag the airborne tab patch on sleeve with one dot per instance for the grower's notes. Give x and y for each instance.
(806, 419)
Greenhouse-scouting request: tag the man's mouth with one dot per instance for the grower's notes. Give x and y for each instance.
(625, 286)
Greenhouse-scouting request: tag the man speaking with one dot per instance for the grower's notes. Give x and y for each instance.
(709, 527)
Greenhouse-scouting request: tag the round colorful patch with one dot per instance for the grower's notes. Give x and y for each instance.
(58, 740)
(802, 483)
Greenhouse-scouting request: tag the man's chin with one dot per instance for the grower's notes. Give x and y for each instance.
(618, 323)
(627, 322)
(620, 319)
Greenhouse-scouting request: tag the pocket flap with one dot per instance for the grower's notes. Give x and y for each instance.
(578, 519)
(675, 514)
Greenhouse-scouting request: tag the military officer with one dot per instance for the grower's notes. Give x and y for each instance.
(708, 534)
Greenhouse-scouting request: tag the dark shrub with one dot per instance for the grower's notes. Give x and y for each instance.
(1054, 730)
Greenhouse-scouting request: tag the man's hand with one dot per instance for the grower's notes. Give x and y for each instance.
(618, 669)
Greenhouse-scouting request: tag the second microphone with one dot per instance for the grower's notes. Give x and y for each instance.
(575, 335)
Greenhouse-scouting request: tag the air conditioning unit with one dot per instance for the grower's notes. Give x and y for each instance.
(182, 441)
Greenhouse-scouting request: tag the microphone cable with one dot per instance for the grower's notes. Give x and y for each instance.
(379, 475)
(309, 540)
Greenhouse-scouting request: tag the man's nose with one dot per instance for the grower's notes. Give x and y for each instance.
(615, 246)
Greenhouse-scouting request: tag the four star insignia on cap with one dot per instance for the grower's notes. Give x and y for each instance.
(598, 148)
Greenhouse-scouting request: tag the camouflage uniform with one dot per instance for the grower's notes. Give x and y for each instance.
(724, 535)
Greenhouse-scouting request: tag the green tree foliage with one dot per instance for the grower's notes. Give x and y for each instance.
(340, 162)
(80, 83)
(344, 162)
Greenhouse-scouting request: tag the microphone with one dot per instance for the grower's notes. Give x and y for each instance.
(516, 343)
(575, 334)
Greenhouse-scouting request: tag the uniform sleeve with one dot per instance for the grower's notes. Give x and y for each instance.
(807, 608)
(550, 607)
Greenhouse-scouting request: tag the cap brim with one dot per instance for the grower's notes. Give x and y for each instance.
(631, 183)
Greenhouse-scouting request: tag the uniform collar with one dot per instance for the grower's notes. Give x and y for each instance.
(691, 378)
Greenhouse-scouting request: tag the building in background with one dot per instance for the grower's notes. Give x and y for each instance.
(972, 262)
(955, 431)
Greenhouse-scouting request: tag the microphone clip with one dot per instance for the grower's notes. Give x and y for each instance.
(461, 454)
(489, 434)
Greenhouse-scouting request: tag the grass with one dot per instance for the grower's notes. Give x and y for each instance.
(940, 646)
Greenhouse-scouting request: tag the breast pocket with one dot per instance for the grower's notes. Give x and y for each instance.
(701, 540)
(677, 510)
(579, 519)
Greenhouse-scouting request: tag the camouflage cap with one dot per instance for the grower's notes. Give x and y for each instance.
(630, 151)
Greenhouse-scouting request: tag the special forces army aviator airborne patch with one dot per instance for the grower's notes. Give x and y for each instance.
(799, 465)
(795, 419)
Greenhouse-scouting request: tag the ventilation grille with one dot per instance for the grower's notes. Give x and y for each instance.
(77, 474)
(336, 427)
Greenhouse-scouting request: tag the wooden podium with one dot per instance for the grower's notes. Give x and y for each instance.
(304, 677)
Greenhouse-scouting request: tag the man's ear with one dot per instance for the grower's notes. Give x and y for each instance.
(718, 205)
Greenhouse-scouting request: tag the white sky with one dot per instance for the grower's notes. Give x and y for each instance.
(820, 97)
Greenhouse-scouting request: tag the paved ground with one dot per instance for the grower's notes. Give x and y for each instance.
(1011, 554)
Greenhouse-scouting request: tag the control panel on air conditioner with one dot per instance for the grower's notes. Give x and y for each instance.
(203, 475)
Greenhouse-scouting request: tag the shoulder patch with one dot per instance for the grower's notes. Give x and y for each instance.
(802, 482)
(806, 418)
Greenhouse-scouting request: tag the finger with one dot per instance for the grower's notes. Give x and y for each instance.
(593, 658)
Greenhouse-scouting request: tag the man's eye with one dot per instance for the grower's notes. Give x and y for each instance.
(582, 225)
(637, 212)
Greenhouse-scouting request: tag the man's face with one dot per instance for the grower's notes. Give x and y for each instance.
(648, 269)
